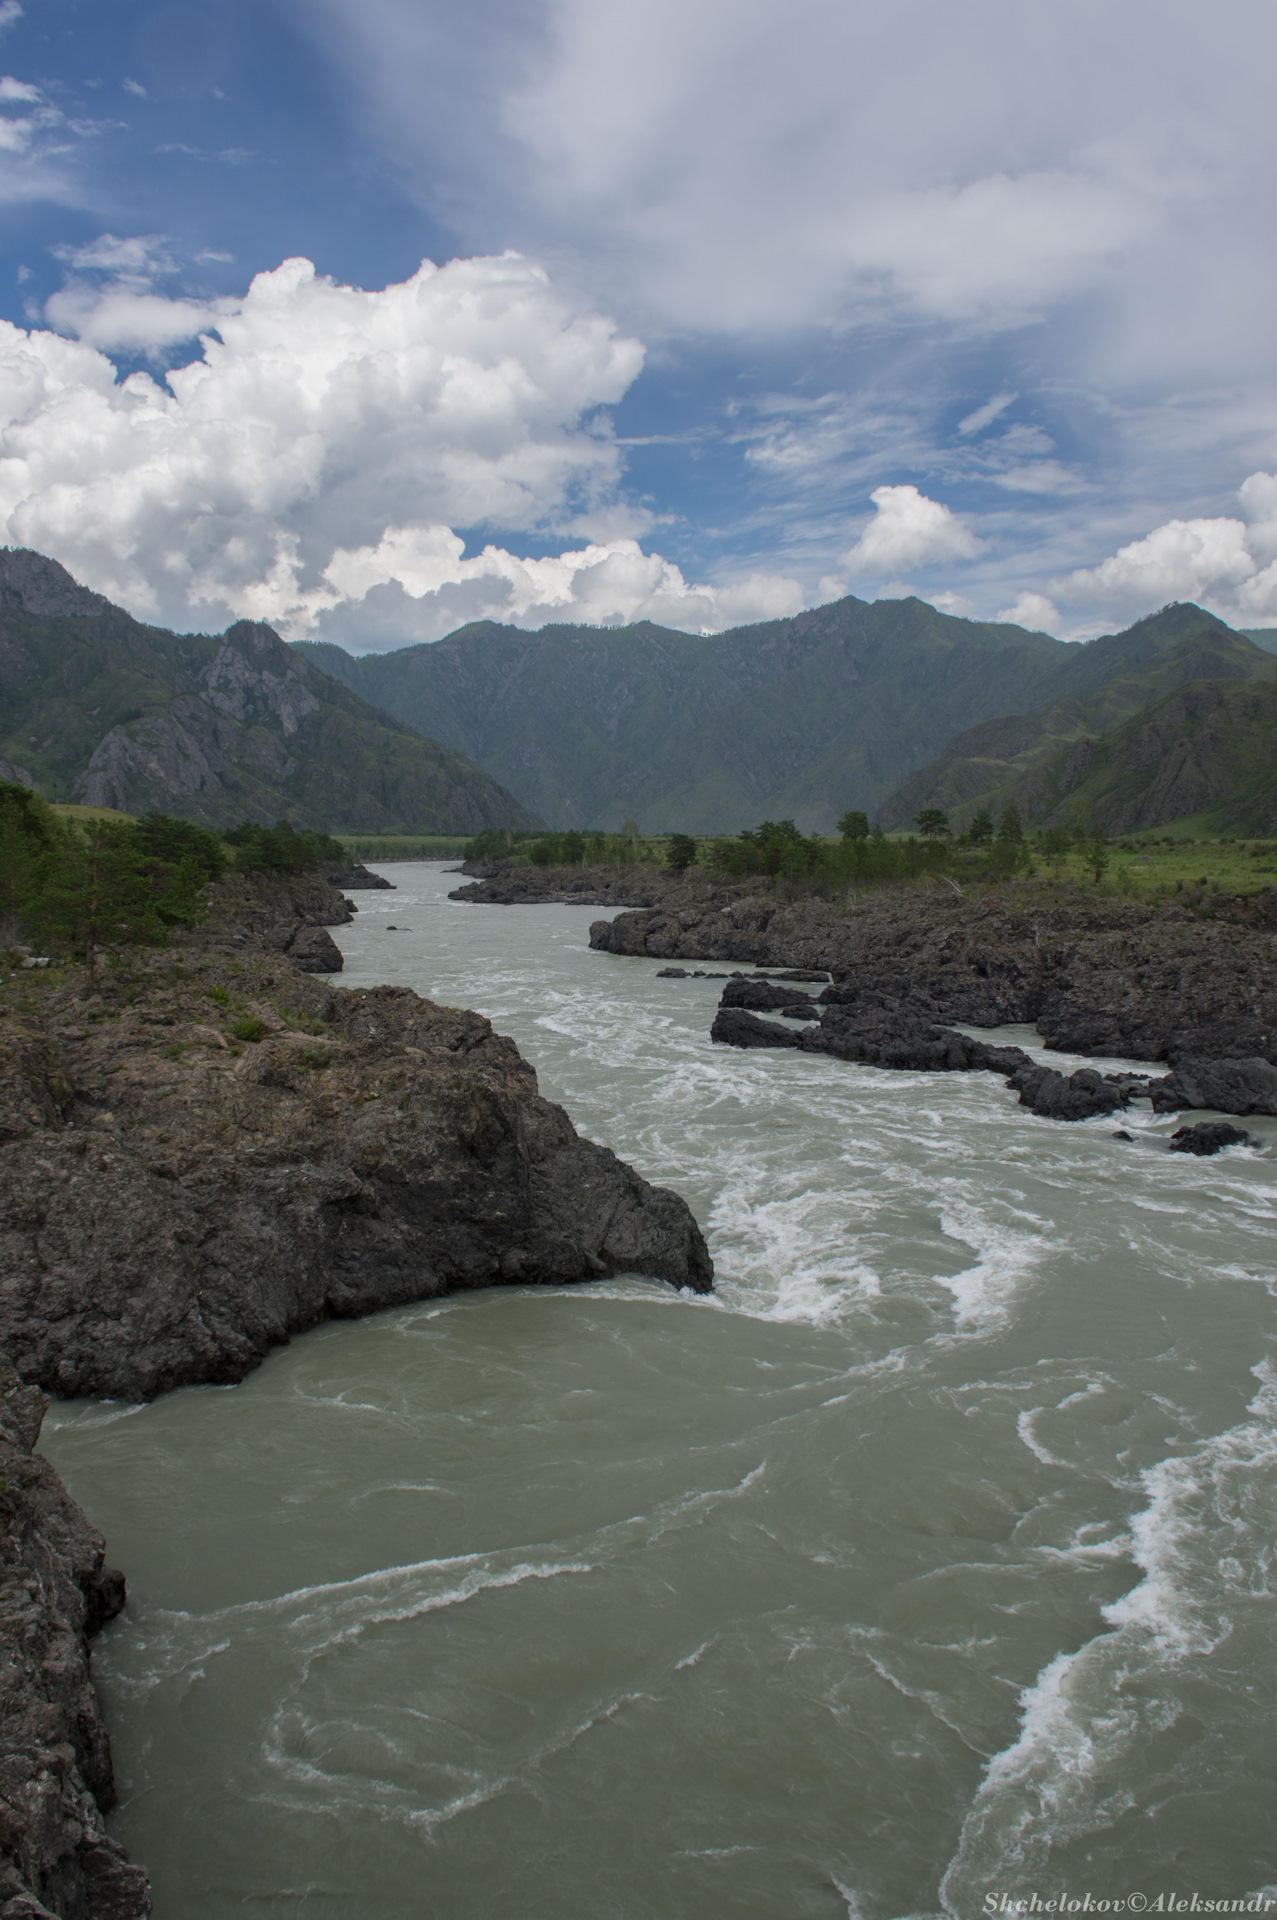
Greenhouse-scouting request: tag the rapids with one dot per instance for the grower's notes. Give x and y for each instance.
(925, 1564)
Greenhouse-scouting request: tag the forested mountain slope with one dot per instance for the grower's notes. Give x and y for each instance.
(801, 717)
(97, 707)
(1172, 718)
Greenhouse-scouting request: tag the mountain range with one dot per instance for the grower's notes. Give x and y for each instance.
(99, 708)
(798, 718)
(891, 707)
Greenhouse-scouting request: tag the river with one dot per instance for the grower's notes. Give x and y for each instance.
(923, 1565)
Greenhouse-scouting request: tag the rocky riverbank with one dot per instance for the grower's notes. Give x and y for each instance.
(1096, 973)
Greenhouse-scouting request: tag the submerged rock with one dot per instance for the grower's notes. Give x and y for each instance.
(1208, 1136)
(55, 1760)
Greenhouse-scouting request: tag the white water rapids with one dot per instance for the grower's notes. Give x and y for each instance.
(926, 1562)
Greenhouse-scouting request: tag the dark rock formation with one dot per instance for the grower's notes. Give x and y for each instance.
(1098, 974)
(356, 878)
(278, 913)
(313, 950)
(1077, 1096)
(760, 996)
(1208, 1136)
(672, 973)
(529, 886)
(887, 1037)
(177, 1197)
(1225, 1086)
(733, 1027)
(56, 1861)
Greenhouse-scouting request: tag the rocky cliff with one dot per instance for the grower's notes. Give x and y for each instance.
(213, 1152)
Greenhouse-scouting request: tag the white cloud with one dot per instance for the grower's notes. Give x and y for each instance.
(134, 87)
(121, 319)
(909, 530)
(1225, 564)
(1035, 611)
(737, 165)
(985, 415)
(10, 11)
(433, 590)
(324, 448)
(11, 89)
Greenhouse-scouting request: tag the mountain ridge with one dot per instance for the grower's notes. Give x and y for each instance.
(1169, 733)
(803, 716)
(98, 707)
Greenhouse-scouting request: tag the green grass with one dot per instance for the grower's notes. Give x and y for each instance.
(90, 813)
(1153, 864)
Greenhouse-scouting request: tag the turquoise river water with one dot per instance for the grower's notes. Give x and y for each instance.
(925, 1566)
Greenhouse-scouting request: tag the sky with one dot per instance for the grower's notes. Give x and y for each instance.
(372, 317)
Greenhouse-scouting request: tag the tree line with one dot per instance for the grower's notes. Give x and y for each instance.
(76, 886)
(861, 855)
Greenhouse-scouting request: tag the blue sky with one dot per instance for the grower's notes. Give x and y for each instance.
(733, 307)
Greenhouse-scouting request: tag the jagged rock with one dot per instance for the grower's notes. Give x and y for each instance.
(55, 1759)
(1226, 1086)
(1208, 1136)
(801, 1010)
(733, 1027)
(1080, 1096)
(672, 973)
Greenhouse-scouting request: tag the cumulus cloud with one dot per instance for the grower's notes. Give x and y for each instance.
(909, 530)
(324, 446)
(415, 585)
(1226, 564)
(1035, 611)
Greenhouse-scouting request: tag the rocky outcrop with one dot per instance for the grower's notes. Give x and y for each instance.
(1057, 1096)
(356, 878)
(1224, 1086)
(529, 886)
(734, 1027)
(1096, 973)
(1208, 1136)
(760, 996)
(56, 1861)
(278, 913)
(209, 1155)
